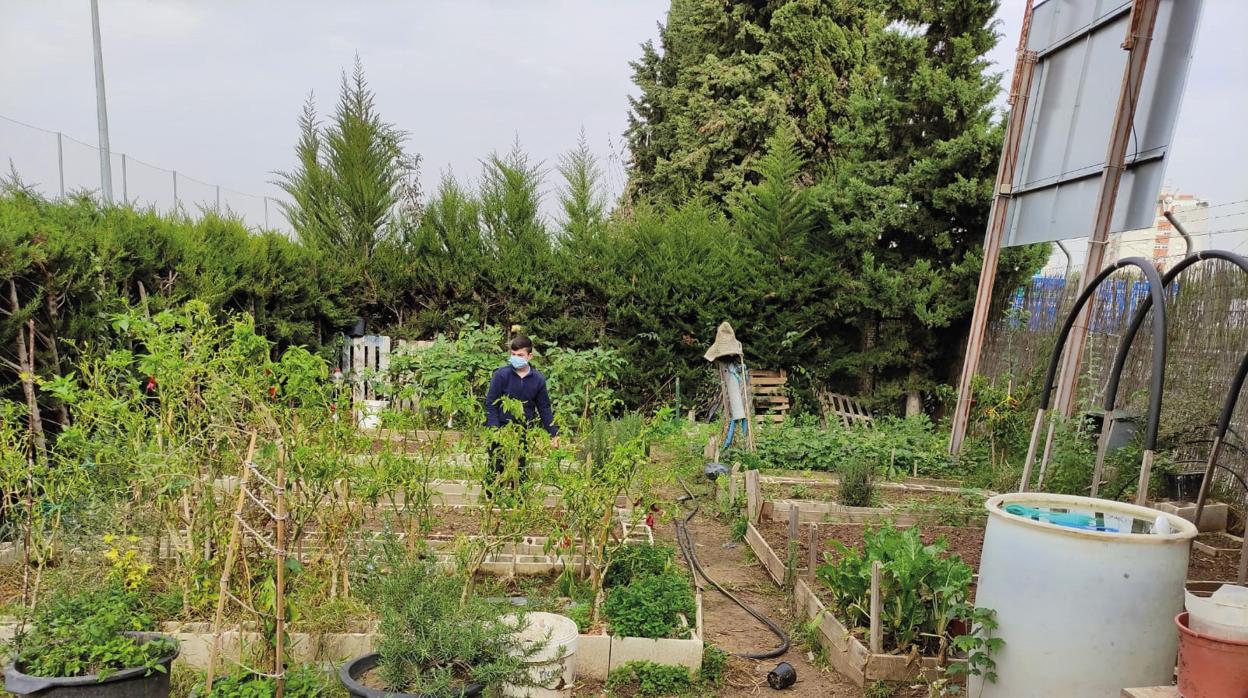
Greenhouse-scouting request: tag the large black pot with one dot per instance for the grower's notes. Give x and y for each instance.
(354, 669)
(139, 682)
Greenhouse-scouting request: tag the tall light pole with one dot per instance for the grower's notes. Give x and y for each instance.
(101, 107)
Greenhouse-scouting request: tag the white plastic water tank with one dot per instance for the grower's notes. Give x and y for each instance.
(1084, 613)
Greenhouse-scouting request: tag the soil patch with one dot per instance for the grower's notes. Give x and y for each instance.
(1223, 568)
(1219, 540)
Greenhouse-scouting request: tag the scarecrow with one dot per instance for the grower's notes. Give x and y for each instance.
(737, 404)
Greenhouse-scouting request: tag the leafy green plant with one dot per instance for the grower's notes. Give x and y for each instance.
(631, 562)
(654, 606)
(302, 682)
(977, 645)
(714, 661)
(84, 633)
(644, 678)
(922, 590)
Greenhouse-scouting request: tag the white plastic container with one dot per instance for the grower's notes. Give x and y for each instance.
(1223, 615)
(1083, 613)
(555, 662)
(370, 413)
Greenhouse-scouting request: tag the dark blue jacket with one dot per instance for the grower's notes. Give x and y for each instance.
(530, 390)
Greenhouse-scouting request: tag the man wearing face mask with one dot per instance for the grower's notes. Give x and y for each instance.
(519, 381)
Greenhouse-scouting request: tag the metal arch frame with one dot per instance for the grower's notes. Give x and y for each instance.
(1120, 360)
(1155, 291)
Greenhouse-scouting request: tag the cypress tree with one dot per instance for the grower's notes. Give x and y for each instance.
(855, 146)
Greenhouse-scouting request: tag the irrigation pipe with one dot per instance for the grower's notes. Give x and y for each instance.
(684, 540)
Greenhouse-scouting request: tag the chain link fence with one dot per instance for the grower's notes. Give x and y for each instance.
(56, 165)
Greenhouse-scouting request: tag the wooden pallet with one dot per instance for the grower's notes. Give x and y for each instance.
(844, 407)
(771, 397)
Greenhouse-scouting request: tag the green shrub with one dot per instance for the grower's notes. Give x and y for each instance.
(431, 641)
(632, 562)
(651, 606)
(857, 488)
(894, 446)
(82, 633)
(642, 678)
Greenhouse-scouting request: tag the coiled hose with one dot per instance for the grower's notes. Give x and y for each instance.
(684, 540)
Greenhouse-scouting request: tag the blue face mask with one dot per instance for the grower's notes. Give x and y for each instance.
(517, 362)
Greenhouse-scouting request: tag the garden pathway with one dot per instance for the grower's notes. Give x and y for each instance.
(729, 627)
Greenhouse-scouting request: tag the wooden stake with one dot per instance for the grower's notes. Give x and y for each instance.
(812, 552)
(1146, 467)
(877, 627)
(231, 551)
(1243, 555)
(753, 495)
(791, 573)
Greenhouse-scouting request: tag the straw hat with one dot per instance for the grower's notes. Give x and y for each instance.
(726, 343)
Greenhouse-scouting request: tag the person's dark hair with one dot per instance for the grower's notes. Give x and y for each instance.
(519, 342)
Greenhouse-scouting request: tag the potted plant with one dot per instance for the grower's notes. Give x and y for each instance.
(432, 644)
(95, 643)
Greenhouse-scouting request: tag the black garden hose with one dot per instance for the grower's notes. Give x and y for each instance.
(684, 540)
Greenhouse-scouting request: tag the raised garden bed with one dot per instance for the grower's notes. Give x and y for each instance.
(597, 653)
(847, 654)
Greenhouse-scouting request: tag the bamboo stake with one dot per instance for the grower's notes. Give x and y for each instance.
(280, 596)
(231, 551)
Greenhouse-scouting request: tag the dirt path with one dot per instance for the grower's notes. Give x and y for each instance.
(732, 629)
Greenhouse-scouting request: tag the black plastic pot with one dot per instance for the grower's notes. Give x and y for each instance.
(350, 673)
(139, 682)
(1183, 486)
(357, 328)
(783, 676)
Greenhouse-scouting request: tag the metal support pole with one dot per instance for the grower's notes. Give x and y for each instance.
(125, 188)
(218, 198)
(60, 162)
(1139, 37)
(101, 107)
(175, 190)
(1062, 246)
(1019, 90)
(1191, 247)
(266, 213)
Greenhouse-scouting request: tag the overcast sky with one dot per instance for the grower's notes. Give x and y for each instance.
(213, 89)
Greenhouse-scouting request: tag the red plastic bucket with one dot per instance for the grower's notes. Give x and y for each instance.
(1209, 667)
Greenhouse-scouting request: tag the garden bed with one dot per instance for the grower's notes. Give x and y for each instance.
(847, 654)
(965, 541)
(596, 655)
